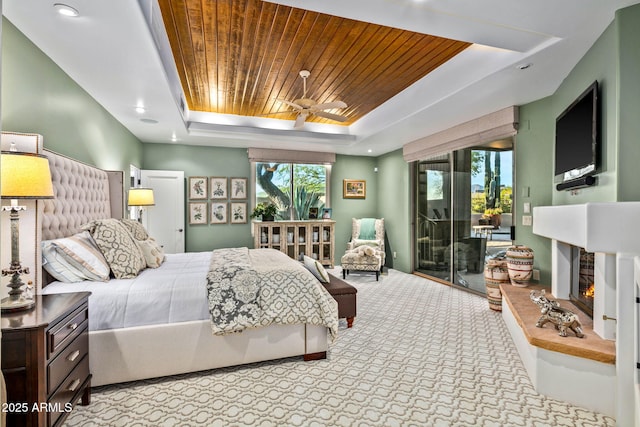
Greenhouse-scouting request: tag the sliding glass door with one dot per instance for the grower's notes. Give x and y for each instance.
(463, 212)
(433, 204)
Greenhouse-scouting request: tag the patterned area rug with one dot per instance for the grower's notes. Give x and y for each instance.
(419, 354)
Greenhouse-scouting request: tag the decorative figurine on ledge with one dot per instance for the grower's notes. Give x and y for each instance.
(560, 317)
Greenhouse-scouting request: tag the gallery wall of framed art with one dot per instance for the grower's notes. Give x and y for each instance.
(217, 200)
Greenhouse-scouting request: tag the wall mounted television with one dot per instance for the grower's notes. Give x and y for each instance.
(577, 138)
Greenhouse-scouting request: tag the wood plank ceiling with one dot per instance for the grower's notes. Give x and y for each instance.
(241, 56)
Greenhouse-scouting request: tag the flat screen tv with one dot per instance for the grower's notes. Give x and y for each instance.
(577, 138)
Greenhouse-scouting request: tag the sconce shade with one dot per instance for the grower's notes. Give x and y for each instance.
(25, 176)
(140, 197)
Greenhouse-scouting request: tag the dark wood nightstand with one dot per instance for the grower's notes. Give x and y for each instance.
(45, 359)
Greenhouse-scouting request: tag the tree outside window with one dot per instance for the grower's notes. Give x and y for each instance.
(293, 188)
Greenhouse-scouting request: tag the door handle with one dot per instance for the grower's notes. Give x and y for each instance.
(180, 230)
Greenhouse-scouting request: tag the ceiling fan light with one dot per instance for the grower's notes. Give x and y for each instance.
(66, 10)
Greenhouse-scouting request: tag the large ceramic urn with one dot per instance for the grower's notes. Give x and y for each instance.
(520, 265)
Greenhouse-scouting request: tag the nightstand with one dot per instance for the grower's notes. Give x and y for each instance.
(45, 359)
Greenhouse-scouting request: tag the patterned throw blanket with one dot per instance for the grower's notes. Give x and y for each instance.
(259, 287)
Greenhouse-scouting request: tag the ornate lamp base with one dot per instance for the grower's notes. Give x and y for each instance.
(8, 305)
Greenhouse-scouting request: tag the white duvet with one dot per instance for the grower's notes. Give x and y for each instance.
(174, 292)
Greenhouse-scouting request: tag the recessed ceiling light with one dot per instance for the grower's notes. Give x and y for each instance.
(140, 109)
(151, 121)
(66, 10)
(369, 150)
(173, 138)
(524, 66)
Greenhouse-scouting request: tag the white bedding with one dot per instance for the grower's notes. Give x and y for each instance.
(174, 292)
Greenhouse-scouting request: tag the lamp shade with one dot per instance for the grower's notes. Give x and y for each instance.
(25, 176)
(140, 197)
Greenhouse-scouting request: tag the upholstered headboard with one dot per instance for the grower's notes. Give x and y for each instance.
(82, 193)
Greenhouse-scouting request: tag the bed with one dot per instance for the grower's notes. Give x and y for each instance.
(130, 341)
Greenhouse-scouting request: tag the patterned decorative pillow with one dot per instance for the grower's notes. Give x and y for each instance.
(316, 268)
(361, 242)
(152, 252)
(118, 247)
(74, 259)
(136, 229)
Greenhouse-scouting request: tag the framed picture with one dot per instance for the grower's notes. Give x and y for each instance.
(218, 213)
(354, 188)
(218, 187)
(326, 213)
(238, 188)
(238, 213)
(198, 187)
(197, 213)
(313, 213)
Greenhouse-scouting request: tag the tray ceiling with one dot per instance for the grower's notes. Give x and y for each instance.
(239, 57)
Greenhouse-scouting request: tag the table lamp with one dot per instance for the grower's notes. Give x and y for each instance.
(140, 197)
(24, 176)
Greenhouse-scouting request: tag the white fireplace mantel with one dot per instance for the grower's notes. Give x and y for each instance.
(597, 227)
(612, 232)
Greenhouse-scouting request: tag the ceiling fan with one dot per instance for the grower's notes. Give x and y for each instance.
(306, 107)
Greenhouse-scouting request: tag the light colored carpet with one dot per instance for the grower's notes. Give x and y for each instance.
(419, 354)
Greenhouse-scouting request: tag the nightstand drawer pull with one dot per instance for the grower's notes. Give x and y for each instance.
(73, 326)
(73, 356)
(74, 385)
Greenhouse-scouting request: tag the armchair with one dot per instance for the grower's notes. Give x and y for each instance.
(366, 250)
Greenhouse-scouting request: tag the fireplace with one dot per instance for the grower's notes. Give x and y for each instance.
(582, 292)
(609, 230)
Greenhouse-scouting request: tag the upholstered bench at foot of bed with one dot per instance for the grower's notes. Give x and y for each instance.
(345, 296)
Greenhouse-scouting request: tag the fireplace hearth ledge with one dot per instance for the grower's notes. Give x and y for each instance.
(564, 368)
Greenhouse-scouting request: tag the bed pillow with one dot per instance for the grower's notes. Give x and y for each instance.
(118, 247)
(152, 252)
(74, 259)
(316, 268)
(136, 229)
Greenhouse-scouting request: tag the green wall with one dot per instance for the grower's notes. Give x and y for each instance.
(219, 161)
(38, 97)
(394, 205)
(204, 161)
(613, 60)
(343, 210)
(628, 95)
(534, 176)
(599, 63)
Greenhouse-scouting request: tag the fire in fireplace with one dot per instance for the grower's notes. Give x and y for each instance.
(582, 286)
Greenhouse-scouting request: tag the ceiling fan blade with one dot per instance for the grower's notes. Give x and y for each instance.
(330, 116)
(276, 112)
(302, 117)
(293, 104)
(329, 106)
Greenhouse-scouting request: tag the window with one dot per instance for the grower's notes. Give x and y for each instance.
(293, 188)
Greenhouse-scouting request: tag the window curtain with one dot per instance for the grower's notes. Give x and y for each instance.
(267, 155)
(498, 125)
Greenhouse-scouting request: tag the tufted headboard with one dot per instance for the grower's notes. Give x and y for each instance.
(82, 193)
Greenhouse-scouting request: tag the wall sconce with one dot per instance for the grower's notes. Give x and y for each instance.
(140, 197)
(24, 176)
